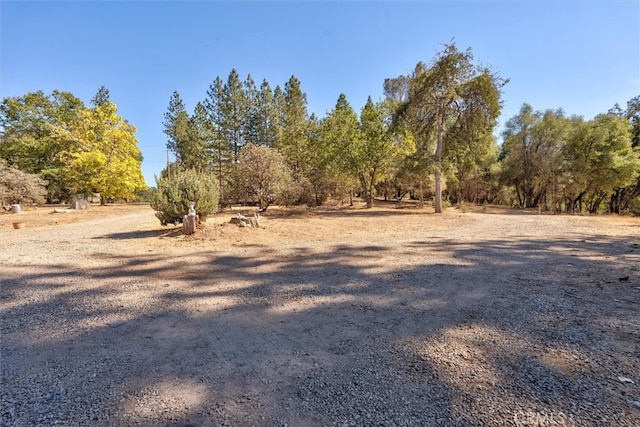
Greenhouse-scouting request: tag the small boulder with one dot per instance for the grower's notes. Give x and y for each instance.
(80, 204)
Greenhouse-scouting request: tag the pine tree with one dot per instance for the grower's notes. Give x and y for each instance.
(219, 148)
(341, 133)
(234, 109)
(293, 139)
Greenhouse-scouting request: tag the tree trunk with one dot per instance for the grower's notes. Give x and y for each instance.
(438, 196)
(438, 174)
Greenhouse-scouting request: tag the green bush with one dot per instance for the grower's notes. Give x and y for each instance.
(172, 195)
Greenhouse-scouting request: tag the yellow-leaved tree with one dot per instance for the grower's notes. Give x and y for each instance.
(104, 156)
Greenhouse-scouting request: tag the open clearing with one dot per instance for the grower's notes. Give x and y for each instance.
(323, 317)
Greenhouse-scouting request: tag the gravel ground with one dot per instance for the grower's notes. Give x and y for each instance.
(336, 317)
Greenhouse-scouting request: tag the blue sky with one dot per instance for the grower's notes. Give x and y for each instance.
(582, 56)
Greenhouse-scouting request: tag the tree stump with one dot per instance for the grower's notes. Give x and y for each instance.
(189, 224)
(80, 204)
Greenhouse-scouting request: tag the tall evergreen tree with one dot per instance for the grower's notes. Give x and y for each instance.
(341, 133)
(178, 128)
(251, 116)
(234, 108)
(293, 140)
(321, 179)
(101, 97)
(264, 122)
(222, 156)
(202, 139)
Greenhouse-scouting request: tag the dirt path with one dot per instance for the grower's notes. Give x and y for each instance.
(330, 317)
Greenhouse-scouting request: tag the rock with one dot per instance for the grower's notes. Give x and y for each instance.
(116, 323)
(243, 221)
(80, 204)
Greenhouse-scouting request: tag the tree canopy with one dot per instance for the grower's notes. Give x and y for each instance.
(76, 149)
(451, 106)
(432, 137)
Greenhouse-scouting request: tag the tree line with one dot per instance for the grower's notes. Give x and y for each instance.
(432, 137)
(71, 149)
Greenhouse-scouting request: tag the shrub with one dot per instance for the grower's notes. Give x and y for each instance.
(262, 174)
(171, 197)
(20, 187)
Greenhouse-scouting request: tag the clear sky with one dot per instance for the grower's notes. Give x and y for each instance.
(582, 56)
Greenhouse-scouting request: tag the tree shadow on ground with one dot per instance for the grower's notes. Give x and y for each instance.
(434, 332)
(143, 234)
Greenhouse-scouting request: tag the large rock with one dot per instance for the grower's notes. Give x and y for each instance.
(80, 204)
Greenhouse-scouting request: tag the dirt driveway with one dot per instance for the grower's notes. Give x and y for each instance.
(328, 317)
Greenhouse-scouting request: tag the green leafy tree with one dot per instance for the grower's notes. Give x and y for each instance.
(632, 113)
(171, 197)
(628, 198)
(474, 179)
(411, 170)
(35, 133)
(373, 154)
(76, 149)
(569, 163)
(600, 156)
(531, 155)
(450, 94)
